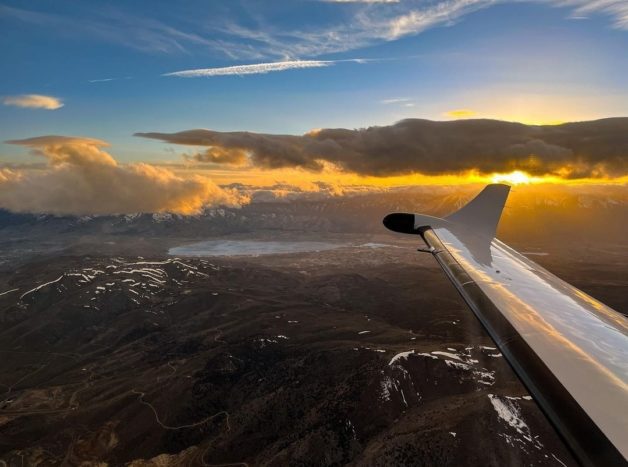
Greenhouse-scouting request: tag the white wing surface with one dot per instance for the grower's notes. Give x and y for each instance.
(570, 350)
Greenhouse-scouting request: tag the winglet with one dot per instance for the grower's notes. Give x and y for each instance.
(482, 213)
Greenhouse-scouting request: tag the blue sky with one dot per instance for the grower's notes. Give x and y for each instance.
(537, 61)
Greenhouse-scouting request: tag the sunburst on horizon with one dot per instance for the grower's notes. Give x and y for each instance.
(516, 177)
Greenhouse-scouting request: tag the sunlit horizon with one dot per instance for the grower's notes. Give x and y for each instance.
(142, 106)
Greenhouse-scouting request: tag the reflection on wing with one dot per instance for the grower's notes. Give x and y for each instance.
(570, 350)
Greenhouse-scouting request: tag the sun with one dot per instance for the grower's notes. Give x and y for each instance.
(513, 178)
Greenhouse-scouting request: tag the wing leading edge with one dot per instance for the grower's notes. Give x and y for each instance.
(570, 350)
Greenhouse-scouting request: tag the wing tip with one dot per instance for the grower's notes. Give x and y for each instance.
(482, 213)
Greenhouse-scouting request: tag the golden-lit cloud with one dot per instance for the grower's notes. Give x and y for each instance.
(595, 149)
(82, 178)
(461, 113)
(33, 101)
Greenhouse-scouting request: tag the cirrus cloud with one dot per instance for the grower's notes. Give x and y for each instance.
(258, 68)
(34, 101)
(355, 24)
(82, 178)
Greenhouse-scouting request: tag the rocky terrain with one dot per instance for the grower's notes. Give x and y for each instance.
(359, 355)
(112, 352)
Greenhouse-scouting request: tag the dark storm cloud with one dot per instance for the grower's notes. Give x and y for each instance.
(572, 150)
(218, 155)
(269, 151)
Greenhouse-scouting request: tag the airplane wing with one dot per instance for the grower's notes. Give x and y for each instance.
(569, 350)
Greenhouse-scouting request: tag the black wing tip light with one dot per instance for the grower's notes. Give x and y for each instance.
(401, 222)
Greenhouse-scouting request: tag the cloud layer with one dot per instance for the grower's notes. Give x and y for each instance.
(82, 178)
(34, 101)
(572, 150)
